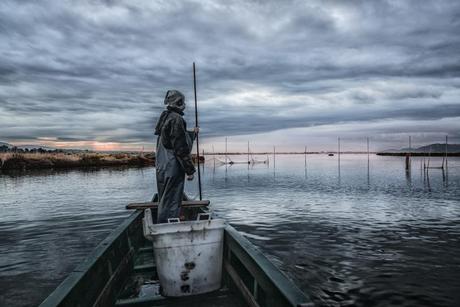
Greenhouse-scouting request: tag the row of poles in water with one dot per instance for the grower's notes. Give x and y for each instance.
(305, 152)
(424, 163)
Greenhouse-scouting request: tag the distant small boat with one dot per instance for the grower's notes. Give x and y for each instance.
(331, 155)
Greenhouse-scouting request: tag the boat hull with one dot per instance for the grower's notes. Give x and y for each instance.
(113, 274)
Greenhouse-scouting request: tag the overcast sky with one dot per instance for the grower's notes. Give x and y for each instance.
(93, 74)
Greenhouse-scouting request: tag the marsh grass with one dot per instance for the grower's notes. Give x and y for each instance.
(62, 160)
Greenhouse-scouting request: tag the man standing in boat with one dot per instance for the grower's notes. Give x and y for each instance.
(173, 156)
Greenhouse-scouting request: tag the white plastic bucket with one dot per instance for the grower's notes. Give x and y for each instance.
(188, 255)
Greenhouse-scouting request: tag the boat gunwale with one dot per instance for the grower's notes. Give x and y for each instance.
(64, 289)
(263, 269)
(269, 270)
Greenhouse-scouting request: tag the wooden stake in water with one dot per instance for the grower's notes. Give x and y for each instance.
(274, 156)
(368, 157)
(367, 152)
(305, 156)
(429, 157)
(446, 151)
(338, 150)
(424, 161)
(338, 157)
(214, 156)
(248, 153)
(408, 155)
(368, 162)
(225, 151)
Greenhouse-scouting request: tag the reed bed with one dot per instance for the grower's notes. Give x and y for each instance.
(9, 161)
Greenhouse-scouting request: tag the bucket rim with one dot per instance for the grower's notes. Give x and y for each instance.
(186, 226)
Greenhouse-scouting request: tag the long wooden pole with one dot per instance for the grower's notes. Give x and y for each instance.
(197, 138)
(338, 150)
(408, 168)
(213, 156)
(368, 161)
(338, 155)
(446, 151)
(305, 156)
(248, 152)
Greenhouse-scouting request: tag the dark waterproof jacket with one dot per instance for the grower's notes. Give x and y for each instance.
(174, 135)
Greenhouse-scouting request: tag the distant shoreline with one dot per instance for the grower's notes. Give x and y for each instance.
(26, 161)
(419, 154)
(58, 160)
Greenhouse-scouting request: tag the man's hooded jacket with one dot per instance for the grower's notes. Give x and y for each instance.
(173, 131)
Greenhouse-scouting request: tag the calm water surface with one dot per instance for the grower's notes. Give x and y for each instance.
(362, 236)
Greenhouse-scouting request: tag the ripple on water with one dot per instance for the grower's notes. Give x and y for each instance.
(382, 240)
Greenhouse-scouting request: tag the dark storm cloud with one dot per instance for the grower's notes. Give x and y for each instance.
(98, 70)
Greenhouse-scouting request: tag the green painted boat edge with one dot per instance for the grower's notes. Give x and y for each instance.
(265, 272)
(64, 289)
(279, 281)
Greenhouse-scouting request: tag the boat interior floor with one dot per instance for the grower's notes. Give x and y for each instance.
(143, 288)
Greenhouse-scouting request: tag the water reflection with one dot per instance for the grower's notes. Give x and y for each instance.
(408, 178)
(347, 236)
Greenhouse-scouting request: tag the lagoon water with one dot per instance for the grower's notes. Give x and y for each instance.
(359, 236)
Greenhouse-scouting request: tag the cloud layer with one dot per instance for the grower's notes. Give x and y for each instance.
(97, 71)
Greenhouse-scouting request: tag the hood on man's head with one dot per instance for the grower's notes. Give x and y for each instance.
(175, 99)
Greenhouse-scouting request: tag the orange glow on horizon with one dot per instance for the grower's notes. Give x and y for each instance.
(86, 145)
